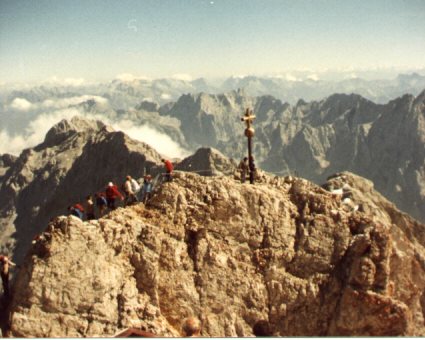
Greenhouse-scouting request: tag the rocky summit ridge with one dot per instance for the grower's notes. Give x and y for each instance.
(309, 260)
(77, 157)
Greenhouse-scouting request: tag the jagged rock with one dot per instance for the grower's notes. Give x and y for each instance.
(208, 162)
(283, 250)
(77, 158)
(148, 106)
(6, 161)
(64, 129)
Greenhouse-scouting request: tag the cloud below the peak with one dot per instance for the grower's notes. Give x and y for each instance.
(21, 104)
(161, 142)
(66, 108)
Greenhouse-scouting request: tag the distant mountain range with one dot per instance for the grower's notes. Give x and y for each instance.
(385, 143)
(382, 142)
(126, 94)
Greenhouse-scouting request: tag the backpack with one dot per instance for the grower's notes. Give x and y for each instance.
(134, 185)
(101, 200)
(78, 213)
(79, 207)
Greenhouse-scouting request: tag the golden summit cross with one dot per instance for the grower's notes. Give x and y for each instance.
(248, 118)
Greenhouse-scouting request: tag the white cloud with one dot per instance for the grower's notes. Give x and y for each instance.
(182, 76)
(159, 141)
(21, 104)
(314, 77)
(74, 81)
(166, 96)
(55, 80)
(290, 77)
(239, 76)
(11, 144)
(65, 102)
(34, 133)
(128, 77)
(57, 110)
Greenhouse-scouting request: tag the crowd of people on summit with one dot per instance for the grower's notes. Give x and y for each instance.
(131, 192)
(95, 206)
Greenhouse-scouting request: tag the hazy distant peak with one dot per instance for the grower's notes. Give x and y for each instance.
(148, 106)
(65, 128)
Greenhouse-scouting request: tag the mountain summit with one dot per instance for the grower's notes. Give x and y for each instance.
(283, 250)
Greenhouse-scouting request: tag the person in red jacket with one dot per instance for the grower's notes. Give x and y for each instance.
(168, 169)
(112, 193)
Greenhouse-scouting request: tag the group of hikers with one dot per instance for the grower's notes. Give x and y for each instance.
(133, 192)
(96, 206)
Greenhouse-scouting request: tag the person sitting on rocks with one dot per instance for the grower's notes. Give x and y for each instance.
(89, 208)
(130, 196)
(76, 210)
(111, 195)
(192, 327)
(4, 272)
(146, 189)
(100, 202)
(168, 170)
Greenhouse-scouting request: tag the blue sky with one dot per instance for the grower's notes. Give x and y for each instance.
(96, 40)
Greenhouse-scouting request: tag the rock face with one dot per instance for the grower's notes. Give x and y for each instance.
(283, 250)
(77, 158)
(6, 162)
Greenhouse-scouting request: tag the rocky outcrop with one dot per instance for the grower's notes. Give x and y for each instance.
(283, 250)
(6, 162)
(77, 158)
(208, 162)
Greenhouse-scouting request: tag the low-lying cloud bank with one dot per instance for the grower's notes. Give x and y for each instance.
(22, 104)
(65, 108)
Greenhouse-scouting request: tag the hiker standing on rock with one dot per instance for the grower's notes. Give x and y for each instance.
(130, 196)
(135, 186)
(89, 208)
(243, 168)
(4, 272)
(146, 189)
(168, 169)
(100, 203)
(111, 195)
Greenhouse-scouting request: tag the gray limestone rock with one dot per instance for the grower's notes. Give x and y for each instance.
(77, 158)
(283, 250)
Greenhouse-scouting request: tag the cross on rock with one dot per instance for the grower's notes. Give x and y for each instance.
(248, 118)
